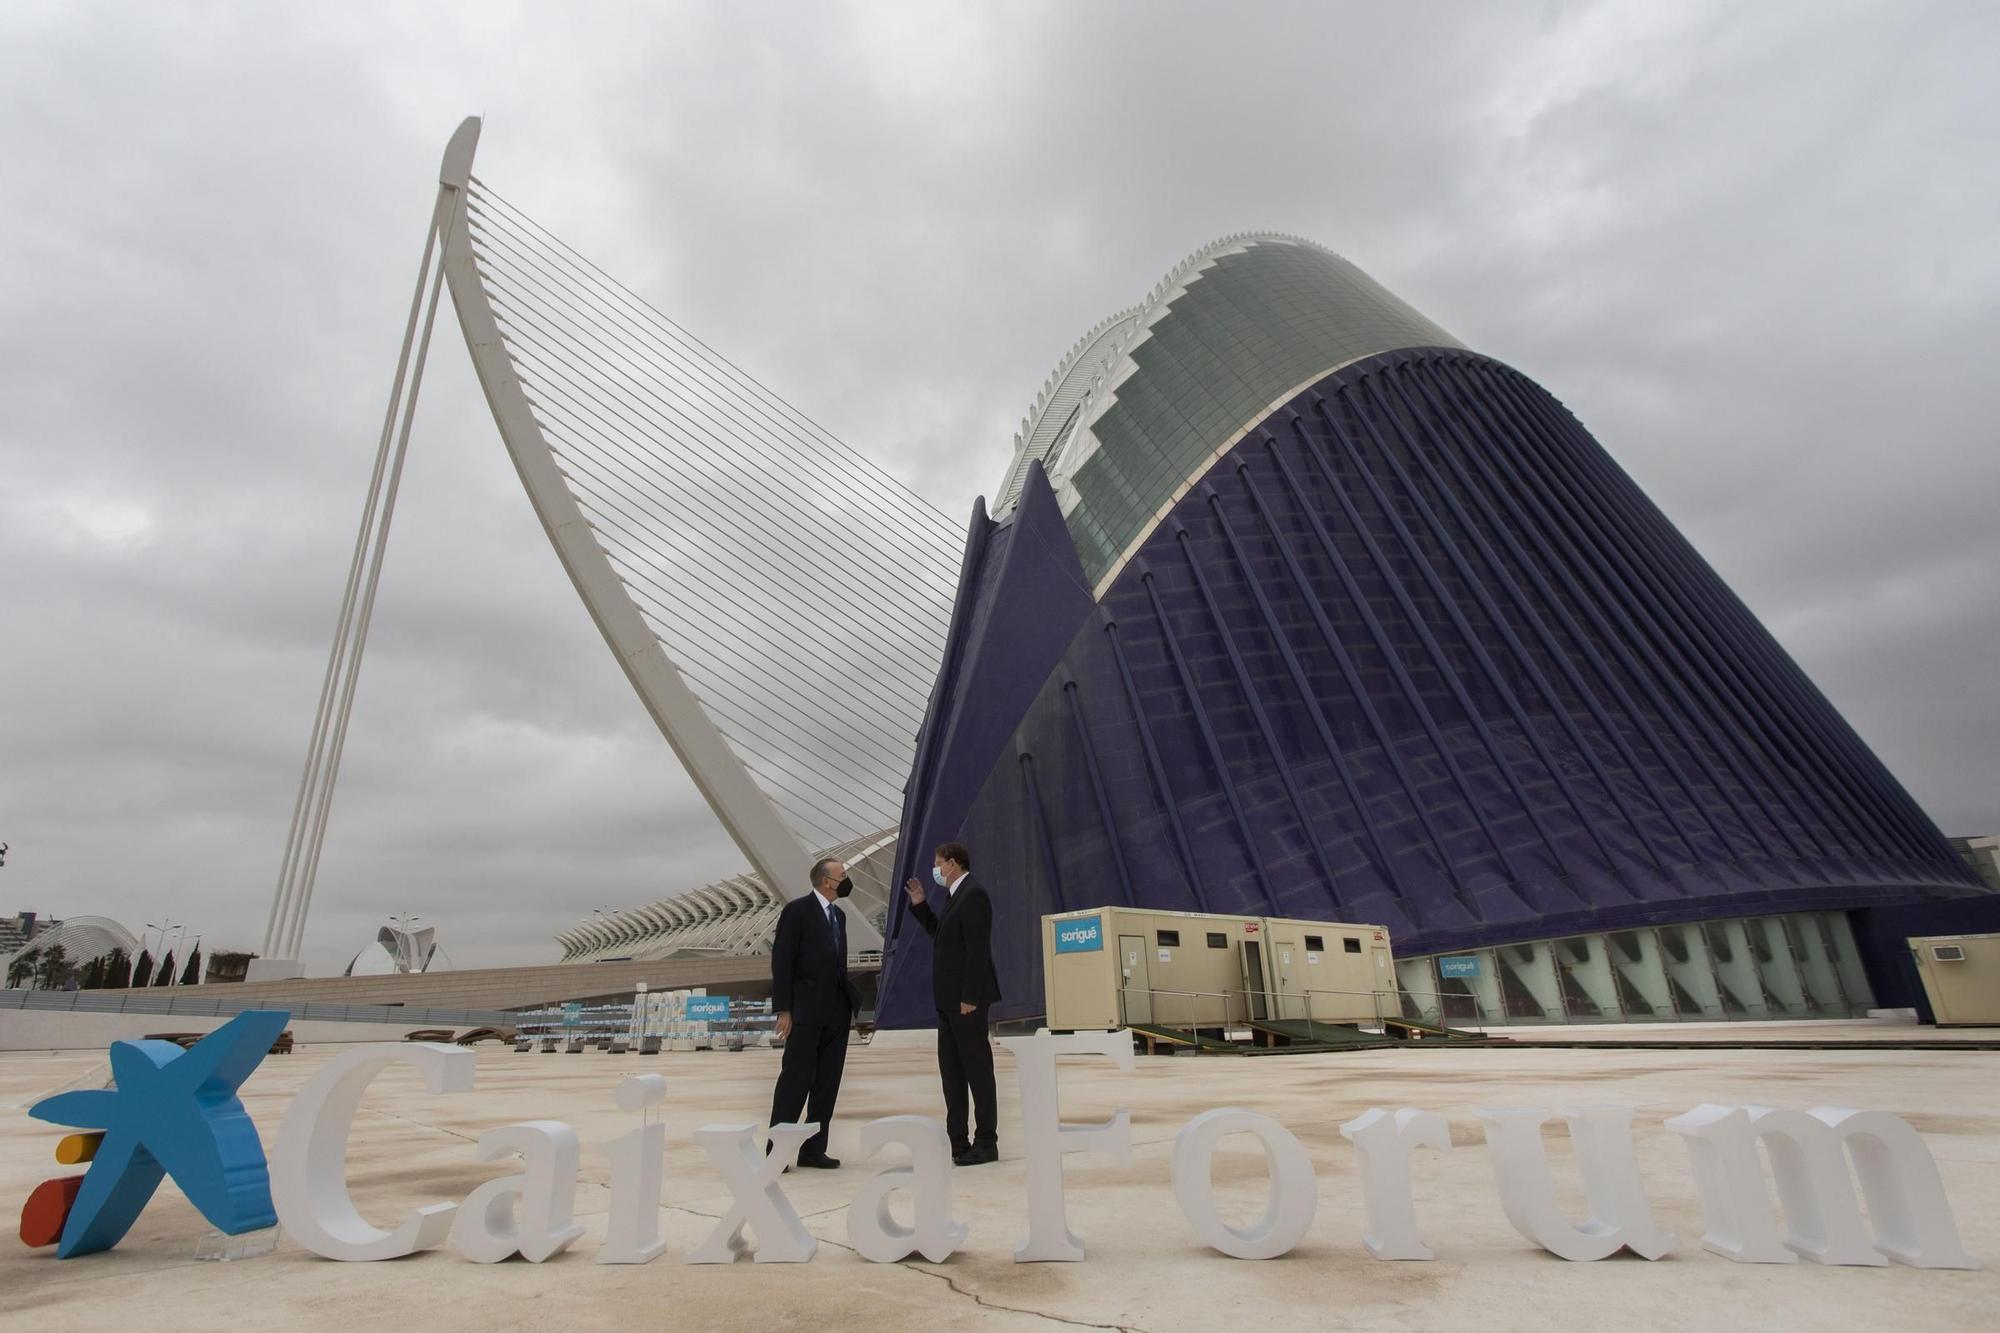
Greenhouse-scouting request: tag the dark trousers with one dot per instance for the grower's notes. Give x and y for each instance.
(965, 1063)
(809, 1080)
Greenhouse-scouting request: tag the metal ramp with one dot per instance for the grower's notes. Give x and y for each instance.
(1413, 1029)
(1296, 1034)
(1155, 1035)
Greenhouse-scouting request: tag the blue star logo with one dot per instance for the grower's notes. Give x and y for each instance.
(173, 1113)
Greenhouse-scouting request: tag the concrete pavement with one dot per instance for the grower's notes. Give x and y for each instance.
(1144, 1271)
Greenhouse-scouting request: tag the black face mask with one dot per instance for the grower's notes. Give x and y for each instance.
(842, 889)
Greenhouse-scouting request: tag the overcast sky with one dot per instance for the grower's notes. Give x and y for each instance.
(1756, 248)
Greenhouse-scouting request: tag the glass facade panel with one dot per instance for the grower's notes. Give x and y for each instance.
(1691, 972)
(1735, 970)
(1839, 936)
(1815, 964)
(1641, 971)
(1589, 985)
(1417, 978)
(1470, 990)
(1778, 970)
(1801, 965)
(1530, 989)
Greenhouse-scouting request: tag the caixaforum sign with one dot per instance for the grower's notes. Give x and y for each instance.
(176, 1113)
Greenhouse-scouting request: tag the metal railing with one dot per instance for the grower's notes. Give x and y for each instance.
(1478, 1020)
(1443, 1019)
(1275, 1006)
(1125, 1017)
(120, 1002)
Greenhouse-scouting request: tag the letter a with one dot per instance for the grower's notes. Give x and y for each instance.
(871, 1228)
(527, 1214)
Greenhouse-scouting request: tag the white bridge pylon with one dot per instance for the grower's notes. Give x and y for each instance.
(778, 602)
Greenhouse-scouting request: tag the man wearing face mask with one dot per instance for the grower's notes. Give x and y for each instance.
(815, 1003)
(964, 987)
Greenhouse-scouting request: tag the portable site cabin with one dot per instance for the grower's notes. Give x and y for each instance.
(1961, 976)
(1112, 967)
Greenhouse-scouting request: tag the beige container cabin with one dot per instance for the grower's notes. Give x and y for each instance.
(1112, 967)
(1961, 975)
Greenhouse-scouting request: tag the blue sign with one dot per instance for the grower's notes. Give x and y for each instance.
(572, 1015)
(171, 1112)
(1464, 965)
(1084, 934)
(707, 1008)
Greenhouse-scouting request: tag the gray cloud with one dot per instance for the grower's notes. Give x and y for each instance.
(1751, 246)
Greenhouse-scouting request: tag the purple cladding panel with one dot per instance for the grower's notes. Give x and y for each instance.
(1416, 653)
(1021, 596)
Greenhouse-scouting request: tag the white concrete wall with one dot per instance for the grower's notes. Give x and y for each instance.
(64, 1030)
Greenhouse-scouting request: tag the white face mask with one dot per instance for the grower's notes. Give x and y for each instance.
(937, 873)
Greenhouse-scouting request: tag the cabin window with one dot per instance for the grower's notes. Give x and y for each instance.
(1217, 940)
(1170, 939)
(1315, 944)
(1351, 944)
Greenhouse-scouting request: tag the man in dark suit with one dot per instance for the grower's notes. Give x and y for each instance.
(815, 1003)
(963, 986)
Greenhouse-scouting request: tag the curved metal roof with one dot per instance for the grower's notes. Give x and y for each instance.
(1147, 399)
(82, 938)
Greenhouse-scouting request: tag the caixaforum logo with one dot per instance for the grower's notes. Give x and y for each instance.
(176, 1114)
(170, 1112)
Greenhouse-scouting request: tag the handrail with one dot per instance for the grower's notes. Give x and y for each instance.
(1149, 991)
(1479, 1010)
(1377, 996)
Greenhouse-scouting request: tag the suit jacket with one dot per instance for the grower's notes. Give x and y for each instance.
(808, 967)
(961, 946)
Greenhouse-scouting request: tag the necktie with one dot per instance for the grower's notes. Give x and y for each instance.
(839, 930)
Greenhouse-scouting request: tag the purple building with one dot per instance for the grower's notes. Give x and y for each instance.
(1292, 605)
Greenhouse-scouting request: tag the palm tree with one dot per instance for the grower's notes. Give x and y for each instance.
(52, 967)
(22, 972)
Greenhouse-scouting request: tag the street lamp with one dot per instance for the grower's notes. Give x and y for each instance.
(180, 933)
(163, 928)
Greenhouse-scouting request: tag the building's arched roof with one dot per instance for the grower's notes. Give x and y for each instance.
(731, 916)
(82, 939)
(1146, 400)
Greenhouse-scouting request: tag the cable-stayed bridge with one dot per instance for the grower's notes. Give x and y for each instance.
(778, 601)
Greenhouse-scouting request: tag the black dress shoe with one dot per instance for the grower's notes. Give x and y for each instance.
(977, 1156)
(820, 1163)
